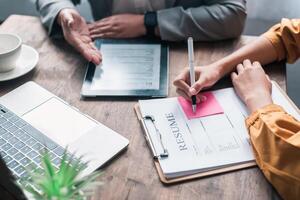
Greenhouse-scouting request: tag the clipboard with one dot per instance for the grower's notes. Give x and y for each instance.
(165, 180)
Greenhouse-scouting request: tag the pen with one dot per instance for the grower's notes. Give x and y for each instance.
(192, 70)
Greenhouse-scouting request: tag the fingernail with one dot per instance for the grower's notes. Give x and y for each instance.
(70, 22)
(193, 91)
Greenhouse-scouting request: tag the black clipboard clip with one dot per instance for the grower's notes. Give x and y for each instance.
(156, 155)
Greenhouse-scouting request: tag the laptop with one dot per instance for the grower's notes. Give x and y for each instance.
(293, 82)
(32, 119)
(9, 190)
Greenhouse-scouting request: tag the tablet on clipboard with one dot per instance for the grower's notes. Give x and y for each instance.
(134, 67)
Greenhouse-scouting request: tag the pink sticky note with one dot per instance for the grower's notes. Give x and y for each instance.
(208, 107)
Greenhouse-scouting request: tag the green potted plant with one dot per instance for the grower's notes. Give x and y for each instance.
(64, 183)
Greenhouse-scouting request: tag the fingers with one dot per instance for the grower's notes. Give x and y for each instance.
(199, 97)
(86, 39)
(88, 50)
(183, 94)
(96, 58)
(85, 53)
(105, 28)
(247, 63)
(65, 16)
(77, 34)
(182, 85)
(257, 64)
(93, 46)
(99, 25)
(198, 86)
(96, 55)
(84, 50)
(182, 81)
(106, 19)
(92, 56)
(104, 32)
(70, 22)
(105, 35)
(239, 68)
(233, 76)
(70, 17)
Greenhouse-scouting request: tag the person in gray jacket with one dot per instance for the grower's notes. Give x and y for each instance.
(171, 20)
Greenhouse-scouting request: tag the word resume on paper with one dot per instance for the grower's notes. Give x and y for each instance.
(199, 144)
(128, 67)
(217, 139)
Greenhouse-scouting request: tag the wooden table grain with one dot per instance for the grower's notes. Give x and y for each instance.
(132, 174)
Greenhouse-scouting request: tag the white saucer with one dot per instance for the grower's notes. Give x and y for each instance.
(27, 61)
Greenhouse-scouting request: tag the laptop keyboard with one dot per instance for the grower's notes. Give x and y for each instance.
(21, 144)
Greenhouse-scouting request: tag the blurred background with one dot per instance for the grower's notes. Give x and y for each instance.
(261, 13)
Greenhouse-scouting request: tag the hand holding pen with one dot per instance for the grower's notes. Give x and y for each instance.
(204, 77)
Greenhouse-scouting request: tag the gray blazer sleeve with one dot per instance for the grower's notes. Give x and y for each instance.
(215, 20)
(49, 10)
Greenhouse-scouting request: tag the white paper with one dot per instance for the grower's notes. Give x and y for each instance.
(205, 143)
(128, 67)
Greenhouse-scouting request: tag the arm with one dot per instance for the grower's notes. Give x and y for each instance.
(274, 134)
(215, 20)
(281, 42)
(275, 137)
(61, 18)
(260, 50)
(49, 10)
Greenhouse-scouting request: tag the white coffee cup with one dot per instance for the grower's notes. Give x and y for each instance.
(10, 50)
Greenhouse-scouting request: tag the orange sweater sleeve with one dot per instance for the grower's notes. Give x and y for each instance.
(285, 38)
(275, 137)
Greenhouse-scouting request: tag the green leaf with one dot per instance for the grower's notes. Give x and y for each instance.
(62, 183)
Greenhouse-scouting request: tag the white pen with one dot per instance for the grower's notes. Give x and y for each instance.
(192, 69)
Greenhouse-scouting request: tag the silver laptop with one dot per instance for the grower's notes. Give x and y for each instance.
(32, 118)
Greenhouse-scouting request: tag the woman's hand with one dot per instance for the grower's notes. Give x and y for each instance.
(252, 85)
(118, 26)
(76, 33)
(205, 76)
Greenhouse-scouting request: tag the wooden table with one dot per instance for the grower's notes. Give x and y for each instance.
(132, 175)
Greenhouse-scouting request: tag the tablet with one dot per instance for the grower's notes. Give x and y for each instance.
(131, 67)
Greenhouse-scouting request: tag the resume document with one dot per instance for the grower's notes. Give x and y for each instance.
(204, 143)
